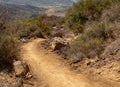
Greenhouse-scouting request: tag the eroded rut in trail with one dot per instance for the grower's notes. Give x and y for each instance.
(47, 66)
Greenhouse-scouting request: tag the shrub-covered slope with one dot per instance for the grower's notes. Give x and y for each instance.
(96, 49)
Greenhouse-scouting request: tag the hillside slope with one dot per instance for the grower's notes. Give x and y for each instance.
(11, 11)
(34, 2)
(96, 50)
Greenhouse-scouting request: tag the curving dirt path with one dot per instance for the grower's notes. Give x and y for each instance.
(46, 65)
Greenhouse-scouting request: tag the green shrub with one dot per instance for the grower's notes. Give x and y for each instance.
(8, 49)
(86, 45)
(99, 30)
(42, 27)
(91, 42)
(8, 45)
(86, 10)
(77, 28)
(35, 28)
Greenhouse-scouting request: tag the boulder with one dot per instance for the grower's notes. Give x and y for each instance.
(21, 68)
(57, 43)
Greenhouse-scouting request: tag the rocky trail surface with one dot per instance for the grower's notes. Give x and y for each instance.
(47, 66)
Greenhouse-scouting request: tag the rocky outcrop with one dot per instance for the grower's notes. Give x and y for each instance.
(57, 43)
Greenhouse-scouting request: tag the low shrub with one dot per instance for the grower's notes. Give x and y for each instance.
(9, 50)
(86, 10)
(91, 42)
(35, 28)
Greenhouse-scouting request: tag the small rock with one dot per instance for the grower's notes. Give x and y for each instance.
(21, 68)
(28, 76)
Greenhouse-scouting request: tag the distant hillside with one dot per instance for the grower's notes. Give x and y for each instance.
(39, 2)
(8, 11)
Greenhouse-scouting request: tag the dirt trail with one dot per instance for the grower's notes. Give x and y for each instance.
(46, 65)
